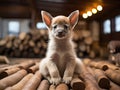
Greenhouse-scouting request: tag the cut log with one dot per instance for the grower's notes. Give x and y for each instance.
(12, 79)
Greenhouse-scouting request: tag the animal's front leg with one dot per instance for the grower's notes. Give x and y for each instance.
(68, 74)
(54, 73)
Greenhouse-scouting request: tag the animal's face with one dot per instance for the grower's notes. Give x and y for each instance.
(60, 27)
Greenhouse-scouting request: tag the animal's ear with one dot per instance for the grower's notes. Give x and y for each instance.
(47, 18)
(73, 17)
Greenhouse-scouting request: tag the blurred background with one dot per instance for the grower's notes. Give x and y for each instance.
(24, 35)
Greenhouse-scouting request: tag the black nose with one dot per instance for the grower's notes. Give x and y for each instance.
(60, 32)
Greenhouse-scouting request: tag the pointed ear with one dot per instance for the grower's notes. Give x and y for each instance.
(74, 18)
(47, 18)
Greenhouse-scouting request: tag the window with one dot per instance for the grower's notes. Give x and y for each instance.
(107, 26)
(13, 27)
(40, 25)
(117, 23)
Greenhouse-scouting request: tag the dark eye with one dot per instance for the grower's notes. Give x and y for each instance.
(65, 26)
(55, 26)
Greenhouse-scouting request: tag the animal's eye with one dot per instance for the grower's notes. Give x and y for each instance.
(55, 26)
(66, 26)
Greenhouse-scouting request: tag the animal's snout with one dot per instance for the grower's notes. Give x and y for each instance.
(60, 32)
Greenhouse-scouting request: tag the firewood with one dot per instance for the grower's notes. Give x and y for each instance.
(100, 65)
(113, 75)
(77, 83)
(114, 86)
(33, 83)
(36, 50)
(3, 42)
(62, 86)
(33, 69)
(12, 79)
(4, 59)
(44, 85)
(20, 84)
(102, 80)
(22, 36)
(52, 87)
(90, 82)
(89, 79)
(26, 65)
(8, 72)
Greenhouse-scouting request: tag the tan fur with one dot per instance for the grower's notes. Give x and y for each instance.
(60, 62)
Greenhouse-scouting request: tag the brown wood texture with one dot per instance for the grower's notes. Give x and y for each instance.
(91, 78)
(44, 85)
(101, 78)
(62, 86)
(113, 75)
(33, 83)
(12, 79)
(77, 83)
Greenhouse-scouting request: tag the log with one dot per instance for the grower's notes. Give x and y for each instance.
(52, 87)
(33, 69)
(77, 83)
(100, 65)
(26, 65)
(90, 82)
(22, 36)
(62, 86)
(33, 83)
(21, 84)
(104, 65)
(2, 70)
(113, 75)
(12, 79)
(8, 72)
(102, 80)
(114, 86)
(4, 59)
(44, 85)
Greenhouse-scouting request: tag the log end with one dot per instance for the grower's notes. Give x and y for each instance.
(105, 67)
(3, 75)
(104, 83)
(78, 86)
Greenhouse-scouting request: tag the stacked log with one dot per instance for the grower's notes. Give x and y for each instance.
(31, 44)
(85, 45)
(91, 78)
(34, 44)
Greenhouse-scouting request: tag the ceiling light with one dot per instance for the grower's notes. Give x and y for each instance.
(99, 8)
(85, 15)
(94, 11)
(89, 13)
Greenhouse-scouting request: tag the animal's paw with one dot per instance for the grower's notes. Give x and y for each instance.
(67, 80)
(55, 81)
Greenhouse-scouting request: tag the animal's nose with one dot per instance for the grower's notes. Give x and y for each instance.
(60, 32)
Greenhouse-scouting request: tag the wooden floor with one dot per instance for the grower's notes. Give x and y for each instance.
(23, 74)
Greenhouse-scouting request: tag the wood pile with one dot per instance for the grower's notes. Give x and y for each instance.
(34, 44)
(85, 45)
(26, 76)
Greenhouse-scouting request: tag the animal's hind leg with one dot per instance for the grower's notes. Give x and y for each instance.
(79, 66)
